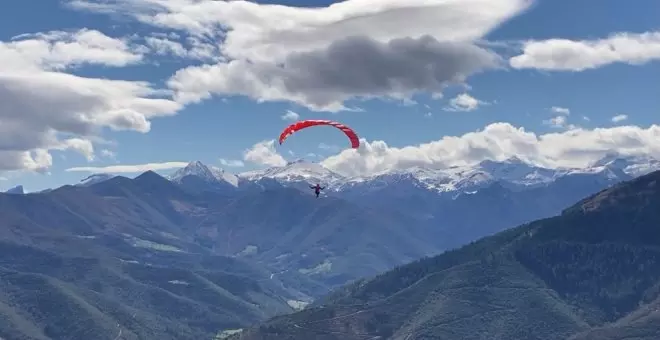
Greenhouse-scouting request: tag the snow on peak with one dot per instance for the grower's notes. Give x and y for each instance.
(516, 170)
(207, 173)
(295, 171)
(467, 178)
(95, 178)
(513, 170)
(630, 165)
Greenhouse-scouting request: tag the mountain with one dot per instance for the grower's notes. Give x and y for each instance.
(462, 204)
(461, 178)
(117, 259)
(198, 177)
(94, 178)
(328, 239)
(299, 174)
(18, 190)
(589, 273)
(146, 252)
(514, 172)
(438, 205)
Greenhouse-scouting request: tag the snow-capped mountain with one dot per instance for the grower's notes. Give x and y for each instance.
(462, 178)
(198, 177)
(296, 172)
(94, 179)
(633, 165)
(210, 174)
(512, 173)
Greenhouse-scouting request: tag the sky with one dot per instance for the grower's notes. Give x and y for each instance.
(125, 86)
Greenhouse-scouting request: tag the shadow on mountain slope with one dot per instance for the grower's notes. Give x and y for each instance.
(591, 272)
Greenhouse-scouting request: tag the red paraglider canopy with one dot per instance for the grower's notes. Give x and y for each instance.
(355, 141)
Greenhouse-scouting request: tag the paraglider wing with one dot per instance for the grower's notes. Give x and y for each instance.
(355, 141)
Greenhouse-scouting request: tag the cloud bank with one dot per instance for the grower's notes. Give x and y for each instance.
(322, 57)
(44, 108)
(130, 168)
(319, 58)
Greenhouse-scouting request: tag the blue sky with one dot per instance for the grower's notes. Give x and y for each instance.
(586, 82)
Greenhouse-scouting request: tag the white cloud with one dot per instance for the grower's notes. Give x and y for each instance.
(264, 153)
(108, 154)
(619, 118)
(557, 122)
(198, 49)
(464, 102)
(44, 108)
(323, 80)
(308, 55)
(130, 168)
(572, 148)
(328, 147)
(82, 146)
(233, 163)
(560, 110)
(569, 55)
(164, 46)
(58, 50)
(409, 102)
(560, 120)
(290, 116)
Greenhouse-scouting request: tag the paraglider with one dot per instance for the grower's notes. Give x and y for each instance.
(303, 124)
(317, 189)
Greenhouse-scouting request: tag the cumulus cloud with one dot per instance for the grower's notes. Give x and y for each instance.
(196, 49)
(560, 120)
(557, 122)
(264, 153)
(348, 50)
(328, 147)
(356, 67)
(561, 110)
(108, 154)
(233, 163)
(57, 50)
(290, 116)
(619, 118)
(580, 55)
(464, 102)
(499, 141)
(130, 168)
(44, 108)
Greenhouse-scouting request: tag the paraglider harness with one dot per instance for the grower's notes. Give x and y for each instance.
(317, 189)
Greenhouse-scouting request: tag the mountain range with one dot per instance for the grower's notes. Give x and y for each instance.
(436, 206)
(589, 273)
(116, 259)
(204, 251)
(439, 204)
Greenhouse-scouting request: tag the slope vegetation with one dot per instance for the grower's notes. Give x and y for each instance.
(590, 273)
(115, 259)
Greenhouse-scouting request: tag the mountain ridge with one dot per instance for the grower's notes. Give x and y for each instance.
(513, 171)
(565, 276)
(141, 233)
